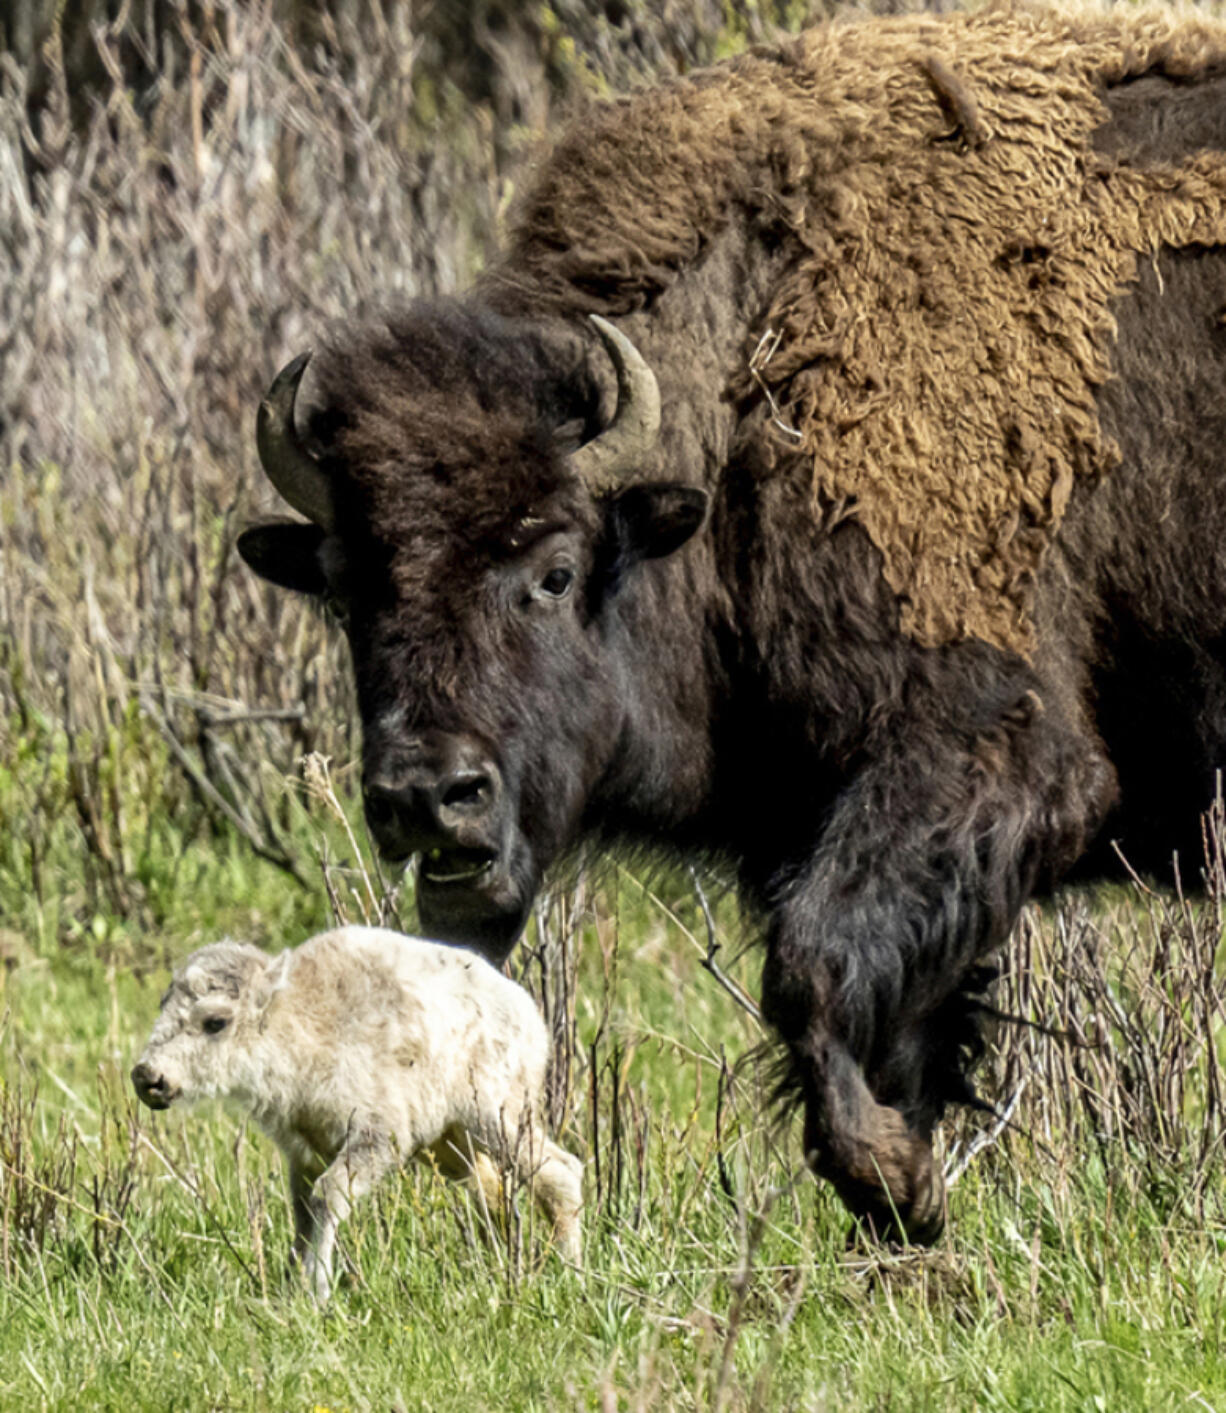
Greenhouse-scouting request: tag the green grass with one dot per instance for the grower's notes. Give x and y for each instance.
(142, 1256)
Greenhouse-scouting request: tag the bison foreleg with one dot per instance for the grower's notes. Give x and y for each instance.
(877, 944)
(880, 1166)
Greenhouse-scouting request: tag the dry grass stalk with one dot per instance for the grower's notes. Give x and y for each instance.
(1115, 1049)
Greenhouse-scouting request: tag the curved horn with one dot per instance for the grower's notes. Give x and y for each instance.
(636, 423)
(288, 464)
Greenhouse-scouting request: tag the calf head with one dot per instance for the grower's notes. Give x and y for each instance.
(476, 519)
(201, 1043)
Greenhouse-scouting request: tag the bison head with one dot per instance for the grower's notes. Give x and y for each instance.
(479, 504)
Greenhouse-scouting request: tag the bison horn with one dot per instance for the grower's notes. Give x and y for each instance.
(288, 464)
(636, 423)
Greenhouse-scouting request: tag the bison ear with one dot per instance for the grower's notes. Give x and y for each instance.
(652, 520)
(286, 554)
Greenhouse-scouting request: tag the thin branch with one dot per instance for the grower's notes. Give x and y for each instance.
(318, 778)
(709, 963)
(986, 1137)
(713, 945)
(214, 797)
(206, 1207)
(768, 346)
(241, 718)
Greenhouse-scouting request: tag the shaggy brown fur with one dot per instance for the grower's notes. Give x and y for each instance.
(940, 343)
(814, 681)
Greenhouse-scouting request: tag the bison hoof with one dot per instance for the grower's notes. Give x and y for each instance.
(894, 1189)
(883, 1223)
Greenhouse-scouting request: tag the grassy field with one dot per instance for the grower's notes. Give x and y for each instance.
(142, 1256)
(174, 228)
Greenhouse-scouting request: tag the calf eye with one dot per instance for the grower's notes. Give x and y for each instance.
(557, 583)
(213, 1025)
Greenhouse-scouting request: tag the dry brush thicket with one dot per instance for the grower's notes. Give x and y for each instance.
(188, 194)
(164, 246)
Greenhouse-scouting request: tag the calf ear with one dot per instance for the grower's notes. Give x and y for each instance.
(286, 554)
(275, 978)
(650, 521)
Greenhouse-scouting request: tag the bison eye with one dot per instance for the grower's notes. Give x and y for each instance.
(557, 583)
(214, 1025)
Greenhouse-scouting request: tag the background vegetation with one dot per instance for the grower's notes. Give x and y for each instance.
(188, 193)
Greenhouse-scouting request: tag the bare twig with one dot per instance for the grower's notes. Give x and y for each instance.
(318, 778)
(986, 1137)
(768, 346)
(206, 1207)
(713, 945)
(213, 796)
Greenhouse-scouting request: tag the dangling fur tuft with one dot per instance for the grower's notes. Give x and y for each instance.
(960, 237)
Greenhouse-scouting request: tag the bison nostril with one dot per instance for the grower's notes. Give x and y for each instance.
(467, 792)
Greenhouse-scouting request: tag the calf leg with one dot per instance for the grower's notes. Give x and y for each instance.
(300, 1184)
(557, 1186)
(364, 1159)
(555, 1176)
(459, 1159)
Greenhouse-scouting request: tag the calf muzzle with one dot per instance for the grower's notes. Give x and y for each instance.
(152, 1089)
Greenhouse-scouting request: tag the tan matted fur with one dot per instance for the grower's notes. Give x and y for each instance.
(941, 338)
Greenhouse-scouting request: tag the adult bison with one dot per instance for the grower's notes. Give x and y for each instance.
(878, 547)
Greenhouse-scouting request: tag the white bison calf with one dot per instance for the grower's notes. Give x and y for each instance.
(355, 1052)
